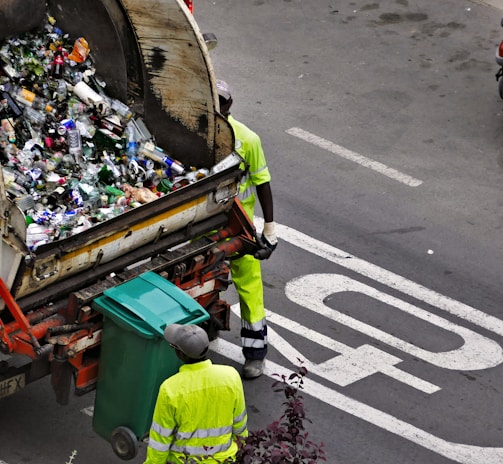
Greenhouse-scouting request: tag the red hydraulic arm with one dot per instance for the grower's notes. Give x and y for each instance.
(20, 336)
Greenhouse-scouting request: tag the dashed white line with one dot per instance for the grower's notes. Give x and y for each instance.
(353, 156)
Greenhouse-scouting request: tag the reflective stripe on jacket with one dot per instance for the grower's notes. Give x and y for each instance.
(199, 412)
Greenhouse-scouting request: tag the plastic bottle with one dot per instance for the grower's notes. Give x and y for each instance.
(12, 176)
(121, 109)
(36, 117)
(61, 90)
(149, 150)
(230, 160)
(28, 98)
(75, 108)
(68, 222)
(131, 142)
(112, 167)
(86, 127)
(75, 145)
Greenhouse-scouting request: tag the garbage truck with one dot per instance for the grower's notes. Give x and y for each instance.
(153, 58)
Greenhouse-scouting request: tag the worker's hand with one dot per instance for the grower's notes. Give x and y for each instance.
(269, 241)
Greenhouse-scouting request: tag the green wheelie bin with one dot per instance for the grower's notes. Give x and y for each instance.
(135, 358)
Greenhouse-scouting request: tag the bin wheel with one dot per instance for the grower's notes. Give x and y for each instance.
(124, 443)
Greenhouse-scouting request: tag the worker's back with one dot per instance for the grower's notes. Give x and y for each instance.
(199, 412)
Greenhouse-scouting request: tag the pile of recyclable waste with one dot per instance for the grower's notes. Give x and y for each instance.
(71, 156)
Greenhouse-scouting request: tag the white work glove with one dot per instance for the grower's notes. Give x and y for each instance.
(269, 234)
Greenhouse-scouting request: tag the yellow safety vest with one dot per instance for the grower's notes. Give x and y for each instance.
(200, 411)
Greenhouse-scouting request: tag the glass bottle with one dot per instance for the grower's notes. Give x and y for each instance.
(58, 63)
(57, 197)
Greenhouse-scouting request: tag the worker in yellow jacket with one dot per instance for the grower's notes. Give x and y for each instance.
(246, 271)
(200, 411)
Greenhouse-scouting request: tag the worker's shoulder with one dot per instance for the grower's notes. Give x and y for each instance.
(241, 129)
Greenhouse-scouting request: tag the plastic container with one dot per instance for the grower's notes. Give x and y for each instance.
(135, 358)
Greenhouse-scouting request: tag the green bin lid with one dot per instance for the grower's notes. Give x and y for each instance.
(147, 304)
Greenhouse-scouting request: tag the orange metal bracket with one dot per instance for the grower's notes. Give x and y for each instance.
(18, 315)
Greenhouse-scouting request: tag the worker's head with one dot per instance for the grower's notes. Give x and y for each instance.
(190, 340)
(224, 97)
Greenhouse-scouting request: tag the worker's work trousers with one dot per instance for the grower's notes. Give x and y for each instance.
(247, 277)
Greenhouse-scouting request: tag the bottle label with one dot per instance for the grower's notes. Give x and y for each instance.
(25, 96)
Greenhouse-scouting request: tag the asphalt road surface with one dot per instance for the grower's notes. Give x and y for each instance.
(382, 126)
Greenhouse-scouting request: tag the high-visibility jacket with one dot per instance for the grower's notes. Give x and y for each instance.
(200, 411)
(249, 146)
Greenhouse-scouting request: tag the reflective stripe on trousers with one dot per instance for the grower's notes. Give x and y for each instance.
(247, 278)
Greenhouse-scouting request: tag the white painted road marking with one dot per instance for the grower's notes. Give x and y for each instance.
(89, 411)
(476, 353)
(353, 156)
(337, 374)
(351, 365)
(351, 262)
(464, 454)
